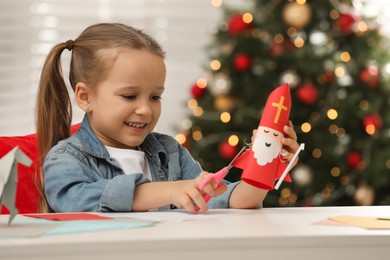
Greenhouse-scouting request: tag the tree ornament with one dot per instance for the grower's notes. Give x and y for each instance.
(237, 25)
(354, 160)
(276, 49)
(370, 76)
(197, 92)
(328, 76)
(307, 94)
(364, 195)
(345, 80)
(185, 139)
(224, 103)
(302, 175)
(347, 22)
(242, 62)
(290, 77)
(296, 15)
(219, 84)
(318, 38)
(373, 121)
(227, 151)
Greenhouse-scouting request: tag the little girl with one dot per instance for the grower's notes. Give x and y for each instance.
(114, 162)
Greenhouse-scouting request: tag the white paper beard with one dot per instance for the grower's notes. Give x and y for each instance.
(265, 149)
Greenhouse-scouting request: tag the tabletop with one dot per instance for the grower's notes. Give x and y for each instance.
(280, 233)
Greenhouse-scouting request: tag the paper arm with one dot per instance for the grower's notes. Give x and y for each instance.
(242, 160)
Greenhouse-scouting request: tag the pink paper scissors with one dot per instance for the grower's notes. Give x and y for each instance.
(218, 176)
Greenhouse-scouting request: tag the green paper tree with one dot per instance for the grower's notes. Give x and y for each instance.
(334, 61)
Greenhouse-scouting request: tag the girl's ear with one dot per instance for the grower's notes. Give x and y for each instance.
(83, 96)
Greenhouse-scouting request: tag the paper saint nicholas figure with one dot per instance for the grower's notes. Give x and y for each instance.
(262, 163)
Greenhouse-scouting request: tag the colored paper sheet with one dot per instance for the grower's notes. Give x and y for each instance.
(68, 216)
(328, 222)
(26, 228)
(80, 226)
(363, 222)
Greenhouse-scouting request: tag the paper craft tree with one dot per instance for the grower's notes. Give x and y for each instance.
(262, 164)
(9, 179)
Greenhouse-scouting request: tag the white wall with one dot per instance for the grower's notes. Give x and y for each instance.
(29, 28)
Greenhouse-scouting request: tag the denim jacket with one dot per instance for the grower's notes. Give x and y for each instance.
(80, 176)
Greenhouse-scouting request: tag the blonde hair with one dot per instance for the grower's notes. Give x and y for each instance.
(53, 109)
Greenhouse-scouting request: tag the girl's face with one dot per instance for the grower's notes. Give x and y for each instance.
(125, 107)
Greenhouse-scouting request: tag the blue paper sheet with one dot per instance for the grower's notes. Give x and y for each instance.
(95, 225)
(26, 227)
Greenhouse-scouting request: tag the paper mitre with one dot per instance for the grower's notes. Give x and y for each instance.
(277, 109)
(275, 116)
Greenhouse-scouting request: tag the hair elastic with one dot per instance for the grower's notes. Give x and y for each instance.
(69, 44)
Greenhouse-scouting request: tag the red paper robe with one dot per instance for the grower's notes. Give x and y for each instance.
(260, 176)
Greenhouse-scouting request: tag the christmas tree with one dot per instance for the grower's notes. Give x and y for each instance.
(334, 60)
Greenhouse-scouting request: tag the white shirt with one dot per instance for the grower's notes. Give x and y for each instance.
(131, 161)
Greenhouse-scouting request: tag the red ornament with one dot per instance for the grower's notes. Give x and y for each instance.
(276, 49)
(374, 120)
(328, 76)
(197, 92)
(242, 62)
(307, 94)
(347, 22)
(354, 160)
(370, 76)
(227, 151)
(237, 25)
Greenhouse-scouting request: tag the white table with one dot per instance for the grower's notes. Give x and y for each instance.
(269, 233)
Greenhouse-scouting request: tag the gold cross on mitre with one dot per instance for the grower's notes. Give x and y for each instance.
(280, 107)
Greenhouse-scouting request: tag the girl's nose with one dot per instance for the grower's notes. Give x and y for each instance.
(143, 109)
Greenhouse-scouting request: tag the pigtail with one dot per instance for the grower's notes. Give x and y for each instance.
(53, 110)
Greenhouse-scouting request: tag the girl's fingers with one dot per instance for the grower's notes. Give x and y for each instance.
(290, 144)
(209, 188)
(289, 131)
(288, 156)
(220, 189)
(197, 199)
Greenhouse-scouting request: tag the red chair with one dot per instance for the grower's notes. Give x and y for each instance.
(27, 192)
(27, 195)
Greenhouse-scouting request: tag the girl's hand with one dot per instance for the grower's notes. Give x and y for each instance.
(185, 194)
(290, 144)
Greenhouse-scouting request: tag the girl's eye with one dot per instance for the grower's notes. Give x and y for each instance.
(275, 134)
(156, 98)
(131, 97)
(266, 131)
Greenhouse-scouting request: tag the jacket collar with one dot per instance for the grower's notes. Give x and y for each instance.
(93, 146)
